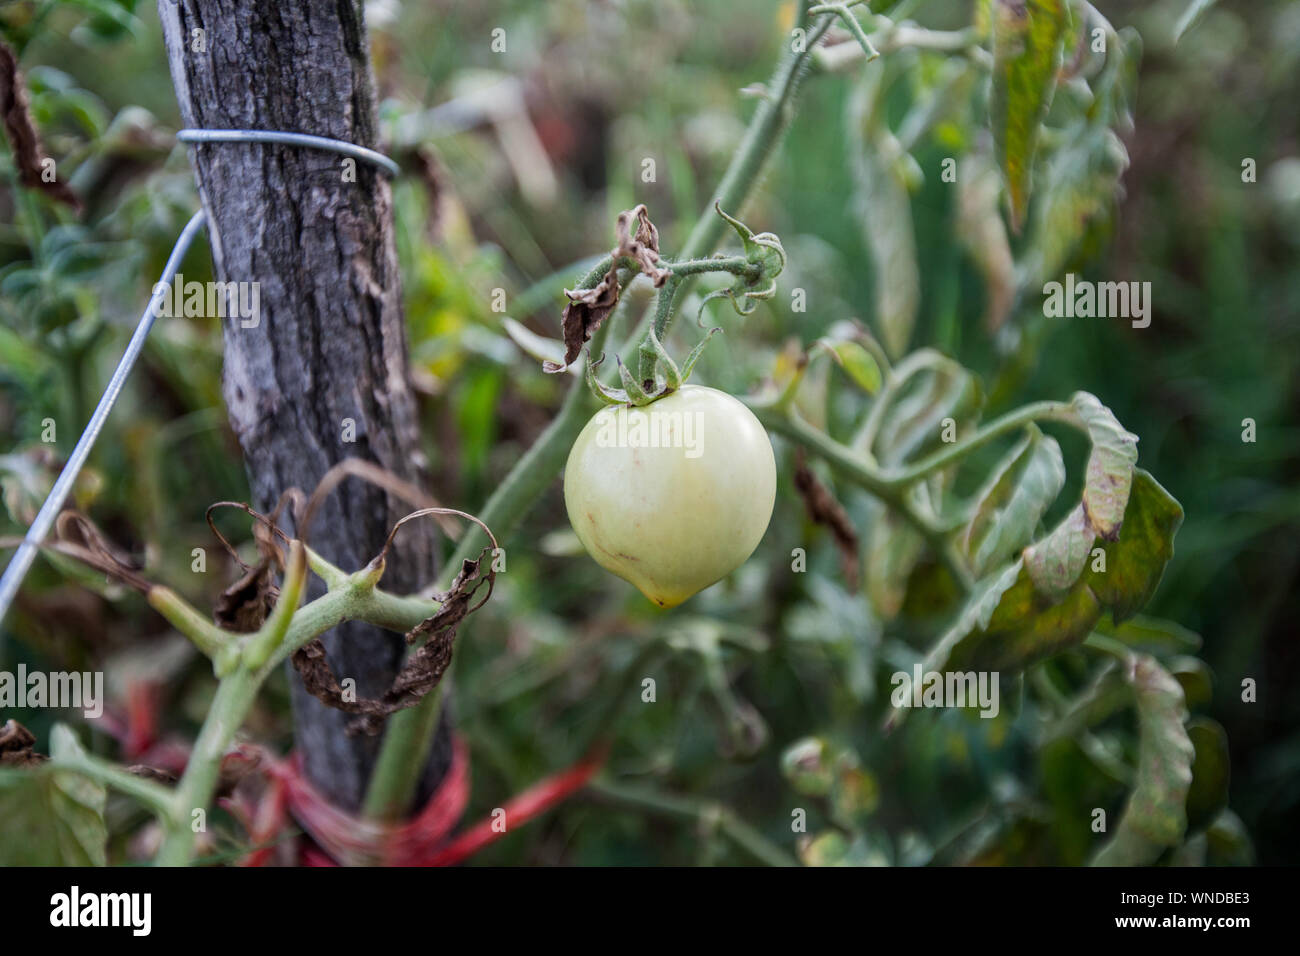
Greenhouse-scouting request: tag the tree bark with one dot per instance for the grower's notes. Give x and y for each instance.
(330, 343)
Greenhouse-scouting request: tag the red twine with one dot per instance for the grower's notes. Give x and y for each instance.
(422, 841)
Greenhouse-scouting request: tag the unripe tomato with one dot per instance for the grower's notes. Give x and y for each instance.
(672, 496)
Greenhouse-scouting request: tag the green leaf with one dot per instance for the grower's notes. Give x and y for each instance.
(1191, 16)
(1011, 505)
(538, 346)
(1228, 843)
(1156, 816)
(1194, 676)
(1208, 795)
(1153, 635)
(912, 423)
(1136, 561)
(52, 817)
(1028, 36)
(890, 553)
(858, 365)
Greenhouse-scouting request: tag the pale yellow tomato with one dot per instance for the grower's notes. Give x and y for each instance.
(673, 496)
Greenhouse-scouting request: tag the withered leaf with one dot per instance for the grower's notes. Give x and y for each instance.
(423, 669)
(24, 140)
(589, 308)
(16, 743)
(644, 246)
(823, 509)
(235, 766)
(419, 675)
(243, 607)
(152, 773)
(586, 312)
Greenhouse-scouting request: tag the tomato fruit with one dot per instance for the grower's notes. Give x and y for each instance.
(672, 496)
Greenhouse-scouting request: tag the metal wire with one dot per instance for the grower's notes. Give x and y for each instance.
(26, 553)
(289, 139)
(22, 560)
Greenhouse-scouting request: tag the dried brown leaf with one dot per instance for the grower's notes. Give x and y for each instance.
(644, 246)
(589, 308)
(423, 669)
(153, 773)
(586, 312)
(24, 140)
(244, 606)
(16, 743)
(823, 509)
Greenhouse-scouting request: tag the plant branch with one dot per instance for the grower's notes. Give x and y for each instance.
(153, 795)
(704, 812)
(1012, 421)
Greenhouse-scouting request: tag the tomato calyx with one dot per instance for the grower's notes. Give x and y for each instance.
(645, 391)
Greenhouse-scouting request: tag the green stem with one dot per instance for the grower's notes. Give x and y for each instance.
(860, 471)
(1012, 421)
(392, 788)
(154, 796)
(409, 733)
(356, 598)
(687, 808)
(234, 697)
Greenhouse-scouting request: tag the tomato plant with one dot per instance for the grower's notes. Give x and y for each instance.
(883, 478)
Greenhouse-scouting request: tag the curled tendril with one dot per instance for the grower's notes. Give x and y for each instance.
(767, 258)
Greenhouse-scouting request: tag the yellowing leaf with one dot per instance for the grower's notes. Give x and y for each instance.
(1028, 36)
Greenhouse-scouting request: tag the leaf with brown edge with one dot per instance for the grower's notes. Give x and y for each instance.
(1155, 817)
(1009, 622)
(1055, 562)
(1110, 464)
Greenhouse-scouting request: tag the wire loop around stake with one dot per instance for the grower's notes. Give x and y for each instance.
(22, 560)
(289, 139)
